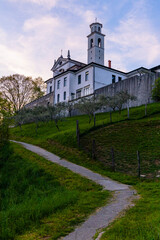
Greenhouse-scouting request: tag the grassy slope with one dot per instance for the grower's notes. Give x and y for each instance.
(42, 197)
(143, 221)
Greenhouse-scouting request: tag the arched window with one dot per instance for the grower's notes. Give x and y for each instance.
(99, 42)
(91, 43)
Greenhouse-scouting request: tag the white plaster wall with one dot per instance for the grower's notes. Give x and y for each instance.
(74, 81)
(62, 89)
(103, 77)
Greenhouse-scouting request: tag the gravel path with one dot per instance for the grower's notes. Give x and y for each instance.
(122, 196)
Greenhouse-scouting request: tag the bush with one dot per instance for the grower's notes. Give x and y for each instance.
(156, 90)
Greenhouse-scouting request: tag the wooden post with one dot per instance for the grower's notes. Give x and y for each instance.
(139, 164)
(93, 148)
(128, 111)
(94, 119)
(110, 116)
(77, 132)
(113, 159)
(146, 109)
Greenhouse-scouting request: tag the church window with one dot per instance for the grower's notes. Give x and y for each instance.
(86, 90)
(65, 82)
(86, 76)
(72, 96)
(58, 84)
(64, 95)
(91, 43)
(119, 79)
(113, 78)
(78, 93)
(99, 42)
(58, 98)
(99, 29)
(92, 29)
(79, 79)
(95, 28)
(50, 89)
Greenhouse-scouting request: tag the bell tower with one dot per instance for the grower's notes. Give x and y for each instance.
(96, 44)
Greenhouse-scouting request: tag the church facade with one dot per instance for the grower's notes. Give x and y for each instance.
(73, 79)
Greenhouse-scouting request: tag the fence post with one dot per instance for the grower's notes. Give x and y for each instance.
(77, 132)
(146, 109)
(139, 164)
(93, 148)
(128, 111)
(113, 159)
(94, 119)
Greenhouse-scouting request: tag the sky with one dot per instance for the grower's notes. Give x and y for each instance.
(33, 33)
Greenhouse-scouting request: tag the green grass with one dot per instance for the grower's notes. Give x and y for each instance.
(126, 136)
(39, 198)
(141, 222)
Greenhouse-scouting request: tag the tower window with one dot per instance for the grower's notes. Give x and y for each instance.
(95, 28)
(113, 78)
(64, 95)
(50, 89)
(99, 29)
(91, 43)
(92, 29)
(99, 42)
(79, 79)
(58, 98)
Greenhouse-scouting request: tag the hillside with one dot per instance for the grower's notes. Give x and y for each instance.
(125, 136)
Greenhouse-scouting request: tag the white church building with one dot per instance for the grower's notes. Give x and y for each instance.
(73, 79)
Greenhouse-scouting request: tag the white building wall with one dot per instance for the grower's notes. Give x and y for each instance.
(62, 88)
(74, 86)
(103, 77)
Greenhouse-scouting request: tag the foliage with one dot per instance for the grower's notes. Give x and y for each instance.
(5, 110)
(117, 101)
(40, 196)
(156, 91)
(69, 107)
(142, 221)
(19, 90)
(88, 106)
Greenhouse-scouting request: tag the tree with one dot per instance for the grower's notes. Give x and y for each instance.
(88, 106)
(57, 112)
(123, 97)
(5, 109)
(156, 90)
(70, 107)
(19, 90)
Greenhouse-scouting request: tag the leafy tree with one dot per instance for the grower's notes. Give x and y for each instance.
(156, 90)
(69, 107)
(123, 97)
(19, 90)
(57, 112)
(5, 109)
(116, 101)
(88, 106)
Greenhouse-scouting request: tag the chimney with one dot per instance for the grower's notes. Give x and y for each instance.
(109, 63)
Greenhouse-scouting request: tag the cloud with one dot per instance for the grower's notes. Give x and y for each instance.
(45, 3)
(134, 40)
